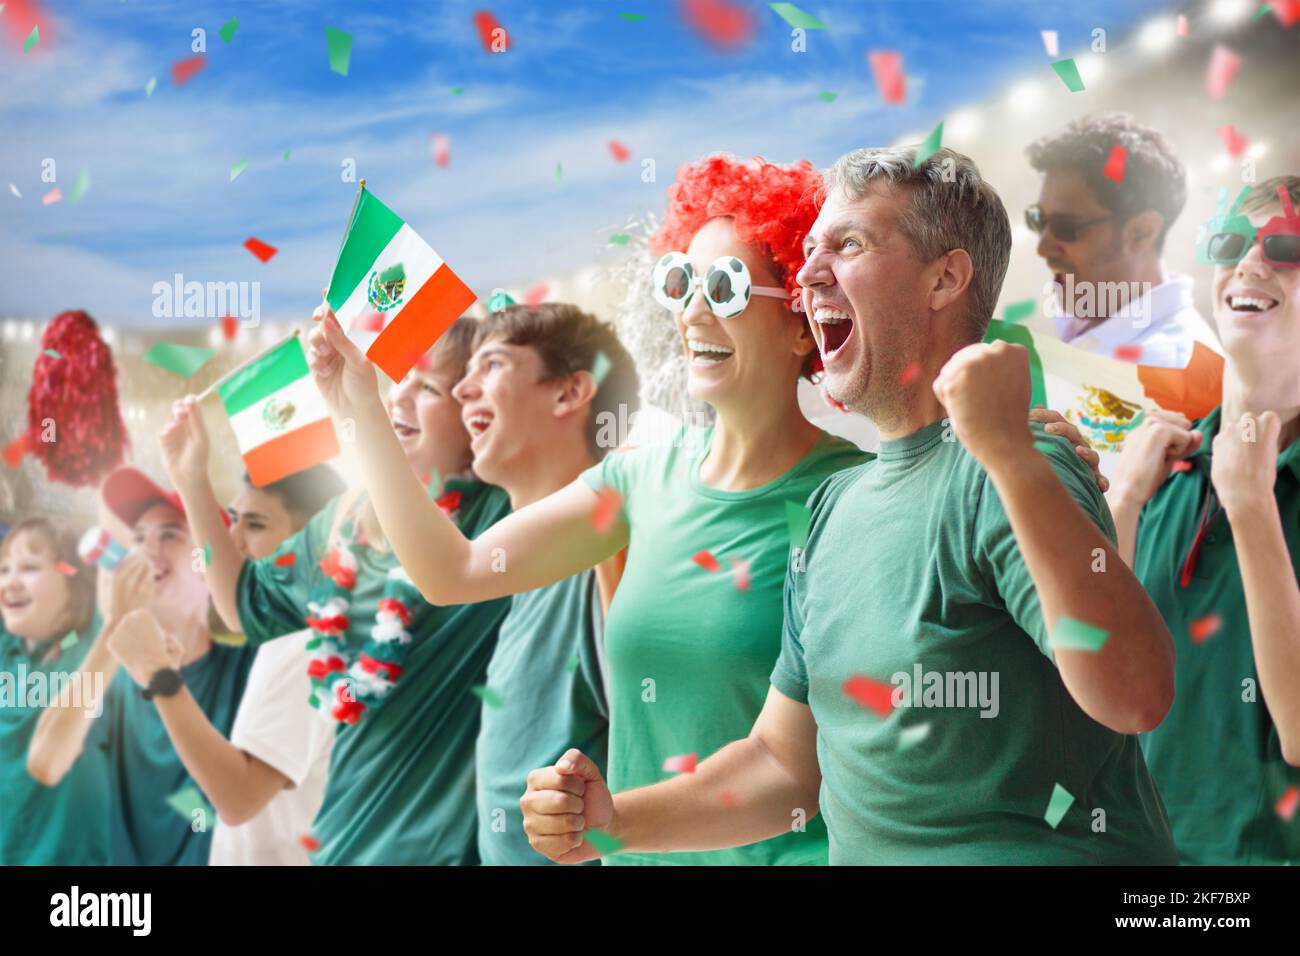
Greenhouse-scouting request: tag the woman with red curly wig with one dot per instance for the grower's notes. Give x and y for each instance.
(694, 628)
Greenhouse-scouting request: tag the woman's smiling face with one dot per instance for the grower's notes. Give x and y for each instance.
(34, 596)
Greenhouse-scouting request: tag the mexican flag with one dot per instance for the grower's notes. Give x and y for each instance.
(388, 280)
(280, 420)
(1105, 397)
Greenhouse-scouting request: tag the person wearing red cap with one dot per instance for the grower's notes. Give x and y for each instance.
(146, 772)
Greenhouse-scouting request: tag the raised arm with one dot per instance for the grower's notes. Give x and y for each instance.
(238, 784)
(184, 443)
(743, 793)
(1127, 685)
(1149, 454)
(545, 542)
(60, 734)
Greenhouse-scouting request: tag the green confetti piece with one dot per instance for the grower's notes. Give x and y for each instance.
(340, 47)
(1056, 807)
(559, 168)
(435, 482)
(457, 90)
(79, 188)
(1069, 74)
(313, 701)
(71, 639)
(182, 360)
(52, 353)
(633, 17)
(1077, 636)
(489, 696)
(1019, 311)
(238, 168)
(826, 96)
(148, 87)
(227, 32)
(619, 239)
(186, 801)
(909, 737)
(931, 146)
(796, 17)
(798, 519)
(603, 842)
(33, 38)
(1263, 10)
(600, 367)
(207, 556)
(572, 665)
(285, 157)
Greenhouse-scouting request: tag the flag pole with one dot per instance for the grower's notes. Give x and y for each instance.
(244, 364)
(361, 187)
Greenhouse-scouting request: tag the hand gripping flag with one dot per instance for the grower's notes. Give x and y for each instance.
(280, 420)
(388, 280)
(1106, 398)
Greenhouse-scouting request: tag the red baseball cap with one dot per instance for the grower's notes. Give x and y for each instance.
(129, 493)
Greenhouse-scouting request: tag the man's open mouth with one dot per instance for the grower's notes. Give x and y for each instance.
(1250, 302)
(707, 353)
(836, 326)
(477, 424)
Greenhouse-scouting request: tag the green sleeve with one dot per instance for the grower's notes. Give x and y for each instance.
(271, 596)
(612, 471)
(997, 554)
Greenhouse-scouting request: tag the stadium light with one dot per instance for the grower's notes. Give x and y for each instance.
(1157, 35)
(1229, 11)
(1024, 96)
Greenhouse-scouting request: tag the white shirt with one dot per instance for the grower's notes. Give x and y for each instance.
(275, 724)
(1163, 322)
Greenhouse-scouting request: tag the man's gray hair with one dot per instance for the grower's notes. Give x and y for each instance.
(952, 207)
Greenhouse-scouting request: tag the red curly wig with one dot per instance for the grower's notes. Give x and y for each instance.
(771, 206)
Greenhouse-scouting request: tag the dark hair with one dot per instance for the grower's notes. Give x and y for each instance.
(305, 492)
(455, 346)
(568, 340)
(1154, 177)
(61, 542)
(1264, 196)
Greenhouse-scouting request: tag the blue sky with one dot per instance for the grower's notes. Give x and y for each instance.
(576, 75)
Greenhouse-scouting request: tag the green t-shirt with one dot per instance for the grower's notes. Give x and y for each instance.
(690, 651)
(146, 769)
(65, 825)
(549, 695)
(1216, 757)
(401, 780)
(911, 564)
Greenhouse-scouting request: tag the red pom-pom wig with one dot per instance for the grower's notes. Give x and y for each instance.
(771, 206)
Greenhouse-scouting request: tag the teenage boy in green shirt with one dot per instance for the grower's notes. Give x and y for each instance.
(1217, 544)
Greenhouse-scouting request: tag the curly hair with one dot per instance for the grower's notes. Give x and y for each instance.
(770, 205)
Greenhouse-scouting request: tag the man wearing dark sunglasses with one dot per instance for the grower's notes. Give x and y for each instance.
(1218, 548)
(1103, 240)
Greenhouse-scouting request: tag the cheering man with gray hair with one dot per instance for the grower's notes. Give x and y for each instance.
(938, 567)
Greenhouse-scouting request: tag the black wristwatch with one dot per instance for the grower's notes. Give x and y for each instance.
(164, 683)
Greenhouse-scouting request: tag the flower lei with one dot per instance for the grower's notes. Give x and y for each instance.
(343, 688)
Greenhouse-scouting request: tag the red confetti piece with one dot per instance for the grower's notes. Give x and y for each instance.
(229, 327)
(1182, 25)
(740, 574)
(729, 799)
(16, 449)
(619, 151)
(51, 197)
(64, 568)
(887, 67)
(608, 502)
(442, 150)
(537, 294)
(1232, 139)
(368, 322)
(449, 502)
(707, 561)
(487, 24)
(285, 560)
(909, 373)
(871, 694)
(262, 250)
(1128, 353)
(309, 843)
(1182, 465)
(1286, 805)
(183, 70)
(725, 25)
(685, 763)
(1224, 65)
(1286, 11)
(1202, 630)
(1114, 168)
